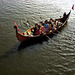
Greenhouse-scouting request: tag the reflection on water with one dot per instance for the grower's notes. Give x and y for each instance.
(55, 56)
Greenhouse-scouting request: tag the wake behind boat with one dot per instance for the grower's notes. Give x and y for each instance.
(43, 29)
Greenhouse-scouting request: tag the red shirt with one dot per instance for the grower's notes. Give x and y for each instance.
(37, 32)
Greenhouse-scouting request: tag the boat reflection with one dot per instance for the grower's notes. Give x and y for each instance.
(32, 42)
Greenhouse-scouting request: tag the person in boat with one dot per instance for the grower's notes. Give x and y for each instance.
(55, 22)
(41, 23)
(64, 14)
(33, 30)
(46, 24)
(50, 22)
(42, 28)
(50, 27)
(54, 26)
(36, 30)
(58, 24)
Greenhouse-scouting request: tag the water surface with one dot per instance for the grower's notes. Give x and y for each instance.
(51, 57)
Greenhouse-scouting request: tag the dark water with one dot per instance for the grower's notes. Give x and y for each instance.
(51, 57)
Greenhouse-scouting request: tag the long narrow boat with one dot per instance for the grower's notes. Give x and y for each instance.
(27, 35)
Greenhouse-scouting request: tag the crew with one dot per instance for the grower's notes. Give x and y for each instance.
(46, 27)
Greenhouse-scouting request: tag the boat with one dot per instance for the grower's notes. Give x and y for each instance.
(27, 35)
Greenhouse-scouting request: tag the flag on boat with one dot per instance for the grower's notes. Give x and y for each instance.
(73, 7)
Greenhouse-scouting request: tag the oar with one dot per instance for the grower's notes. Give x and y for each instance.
(47, 36)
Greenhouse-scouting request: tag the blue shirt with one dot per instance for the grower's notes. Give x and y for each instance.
(46, 26)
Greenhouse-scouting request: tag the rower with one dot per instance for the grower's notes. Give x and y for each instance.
(46, 24)
(35, 28)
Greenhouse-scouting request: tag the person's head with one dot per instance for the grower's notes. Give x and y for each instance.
(65, 12)
(46, 21)
(36, 25)
(41, 22)
(50, 19)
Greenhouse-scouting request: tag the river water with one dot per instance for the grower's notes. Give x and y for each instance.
(56, 56)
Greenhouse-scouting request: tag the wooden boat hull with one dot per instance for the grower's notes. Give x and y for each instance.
(22, 37)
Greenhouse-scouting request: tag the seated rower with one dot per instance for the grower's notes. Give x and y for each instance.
(42, 23)
(50, 27)
(50, 21)
(46, 24)
(36, 30)
(54, 26)
(33, 30)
